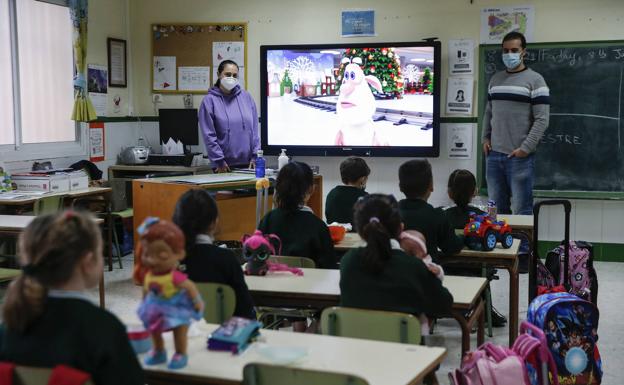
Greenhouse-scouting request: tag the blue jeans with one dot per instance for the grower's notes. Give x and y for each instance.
(510, 185)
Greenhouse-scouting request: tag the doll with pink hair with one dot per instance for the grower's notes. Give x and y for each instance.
(170, 300)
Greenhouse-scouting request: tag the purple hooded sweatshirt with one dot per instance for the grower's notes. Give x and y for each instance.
(229, 124)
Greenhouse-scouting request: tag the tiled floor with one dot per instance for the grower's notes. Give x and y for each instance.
(122, 298)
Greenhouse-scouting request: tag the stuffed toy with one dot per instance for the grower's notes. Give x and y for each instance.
(257, 248)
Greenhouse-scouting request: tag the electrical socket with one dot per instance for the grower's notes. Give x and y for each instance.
(156, 98)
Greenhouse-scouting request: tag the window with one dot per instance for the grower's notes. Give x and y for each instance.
(36, 58)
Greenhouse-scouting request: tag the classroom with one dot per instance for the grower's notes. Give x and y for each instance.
(111, 107)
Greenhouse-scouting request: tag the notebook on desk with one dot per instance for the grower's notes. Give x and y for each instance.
(212, 178)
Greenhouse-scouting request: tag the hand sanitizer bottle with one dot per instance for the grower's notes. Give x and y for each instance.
(282, 160)
(260, 164)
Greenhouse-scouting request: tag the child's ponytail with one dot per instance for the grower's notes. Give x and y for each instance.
(49, 249)
(377, 221)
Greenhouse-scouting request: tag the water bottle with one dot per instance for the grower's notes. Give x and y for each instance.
(491, 209)
(260, 165)
(282, 160)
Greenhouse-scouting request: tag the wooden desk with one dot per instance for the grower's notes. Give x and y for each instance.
(502, 258)
(320, 288)
(523, 225)
(13, 225)
(69, 195)
(237, 213)
(409, 363)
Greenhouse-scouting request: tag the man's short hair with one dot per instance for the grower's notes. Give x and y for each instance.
(415, 177)
(515, 36)
(352, 169)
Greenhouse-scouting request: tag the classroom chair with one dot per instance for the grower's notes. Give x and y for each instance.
(300, 262)
(371, 325)
(48, 205)
(7, 275)
(263, 374)
(27, 375)
(219, 301)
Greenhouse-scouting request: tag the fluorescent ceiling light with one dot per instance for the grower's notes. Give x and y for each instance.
(418, 59)
(331, 52)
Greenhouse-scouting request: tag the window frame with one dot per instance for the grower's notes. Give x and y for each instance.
(29, 151)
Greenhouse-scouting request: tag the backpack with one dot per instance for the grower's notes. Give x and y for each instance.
(491, 365)
(582, 275)
(570, 325)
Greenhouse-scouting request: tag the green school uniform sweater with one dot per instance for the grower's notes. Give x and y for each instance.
(339, 203)
(302, 234)
(404, 285)
(75, 332)
(458, 217)
(433, 224)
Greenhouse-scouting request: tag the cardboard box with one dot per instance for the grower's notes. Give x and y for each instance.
(78, 181)
(48, 183)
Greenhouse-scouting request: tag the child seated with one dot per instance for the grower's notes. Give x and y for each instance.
(49, 320)
(196, 213)
(462, 187)
(416, 182)
(302, 233)
(339, 202)
(381, 276)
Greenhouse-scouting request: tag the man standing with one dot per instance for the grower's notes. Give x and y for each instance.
(516, 117)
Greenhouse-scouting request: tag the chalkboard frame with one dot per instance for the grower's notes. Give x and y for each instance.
(482, 89)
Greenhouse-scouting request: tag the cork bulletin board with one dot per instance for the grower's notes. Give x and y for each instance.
(185, 56)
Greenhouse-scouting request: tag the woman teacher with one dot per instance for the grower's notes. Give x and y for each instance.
(229, 121)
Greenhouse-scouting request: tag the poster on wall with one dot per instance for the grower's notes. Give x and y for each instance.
(193, 78)
(164, 73)
(229, 50)
(461, 57)
(354, 23)
(459, 95)
(97, 86)
(96, 142)
(496, 22)
(459, 140)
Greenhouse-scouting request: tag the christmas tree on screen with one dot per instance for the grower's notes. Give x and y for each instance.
(382, 63)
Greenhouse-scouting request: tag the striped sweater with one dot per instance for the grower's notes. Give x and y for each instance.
(516, 114)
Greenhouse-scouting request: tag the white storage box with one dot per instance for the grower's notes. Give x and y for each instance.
(48, 183)
(78, 181)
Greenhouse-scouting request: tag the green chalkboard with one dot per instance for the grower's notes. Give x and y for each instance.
(582, 152)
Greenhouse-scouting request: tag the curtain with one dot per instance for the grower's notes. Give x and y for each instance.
(83, 108)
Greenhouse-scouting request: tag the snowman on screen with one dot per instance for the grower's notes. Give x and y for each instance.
(356, 106)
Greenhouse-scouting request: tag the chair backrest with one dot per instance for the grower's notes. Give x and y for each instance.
(48, 205)
(26, 375)
(219, 301)
(263, 374)
(7, 275)
(371, 325)
(301, 262)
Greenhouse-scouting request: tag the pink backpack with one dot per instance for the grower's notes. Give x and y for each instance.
(528, 362)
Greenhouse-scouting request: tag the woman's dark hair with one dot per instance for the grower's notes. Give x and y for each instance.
(377, 220)
(49, 249)
(461, 187)
(194, 213)
(352, 169)
(294, 182)
(222, 67)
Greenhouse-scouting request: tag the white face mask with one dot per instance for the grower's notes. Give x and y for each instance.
(229, 83)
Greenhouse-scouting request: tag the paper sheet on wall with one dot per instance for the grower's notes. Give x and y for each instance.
(459, 95)
(97, 86)
(459, 140)
(193, 78)
(461, 57)
(164, 73)
(228, 50)
(496, 22)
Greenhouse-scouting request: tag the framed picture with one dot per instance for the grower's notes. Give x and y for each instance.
(117, 73)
